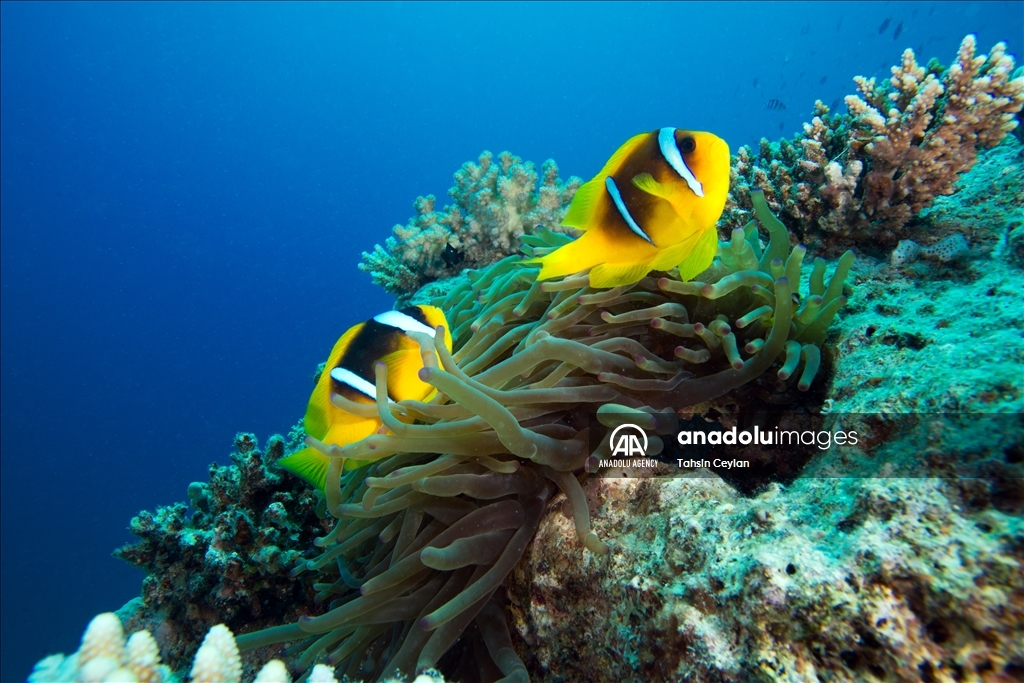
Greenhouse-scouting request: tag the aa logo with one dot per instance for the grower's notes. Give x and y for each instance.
(625, 440)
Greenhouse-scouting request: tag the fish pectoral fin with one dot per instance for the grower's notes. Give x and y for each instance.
(646, 183)
(701, 257)
(310, 464)
(614, 274)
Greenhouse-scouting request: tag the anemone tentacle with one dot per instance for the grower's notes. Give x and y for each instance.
(434, 513)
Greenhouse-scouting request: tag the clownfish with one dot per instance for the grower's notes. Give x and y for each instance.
(653, 206)
(349, 371)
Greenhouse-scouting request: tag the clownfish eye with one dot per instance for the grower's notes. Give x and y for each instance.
(687, 145)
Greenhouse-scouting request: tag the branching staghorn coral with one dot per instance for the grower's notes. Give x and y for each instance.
(434, 514)
(496, 201)
(860, 179)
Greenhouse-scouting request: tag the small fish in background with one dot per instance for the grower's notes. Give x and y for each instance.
(822, 81)
(782, 125)
(653, 206)
(800, 75)
(452, 256)
(775, 105)
(756, 78)
(805, 29)
(898, 32)
(835, 103)
(885, 25)
(350, 372)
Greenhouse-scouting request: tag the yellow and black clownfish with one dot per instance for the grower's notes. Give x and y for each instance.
(653, 206)
(349, 371)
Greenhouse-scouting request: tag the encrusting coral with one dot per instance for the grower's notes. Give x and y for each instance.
(822, 580)
(429, 530)
(859, 179)
(496, 201)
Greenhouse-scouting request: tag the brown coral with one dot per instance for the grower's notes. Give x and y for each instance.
(496, 201)
(860, 179)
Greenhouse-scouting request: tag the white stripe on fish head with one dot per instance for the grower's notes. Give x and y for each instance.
(669, 150)
(403, 322)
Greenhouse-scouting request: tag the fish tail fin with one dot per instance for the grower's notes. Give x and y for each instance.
(310, 464)
(701, 257)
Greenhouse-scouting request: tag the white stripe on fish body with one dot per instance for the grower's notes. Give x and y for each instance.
(613, 190)
(403, 322)
(353, 380)
(669, 150)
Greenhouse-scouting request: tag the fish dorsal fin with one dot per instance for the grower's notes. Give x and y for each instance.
(316, 420)
(587, 198)
(584, 203)
(616, 160)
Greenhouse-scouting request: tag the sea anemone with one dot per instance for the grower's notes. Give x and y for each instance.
(434, 514)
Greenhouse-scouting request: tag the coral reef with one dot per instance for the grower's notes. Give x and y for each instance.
(860, 179)
(842, 579)
(441, 542)
(930, 336)
(496, 201)
(428, 531)
(226, 562)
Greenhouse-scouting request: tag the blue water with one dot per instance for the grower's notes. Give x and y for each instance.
(186, 190)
